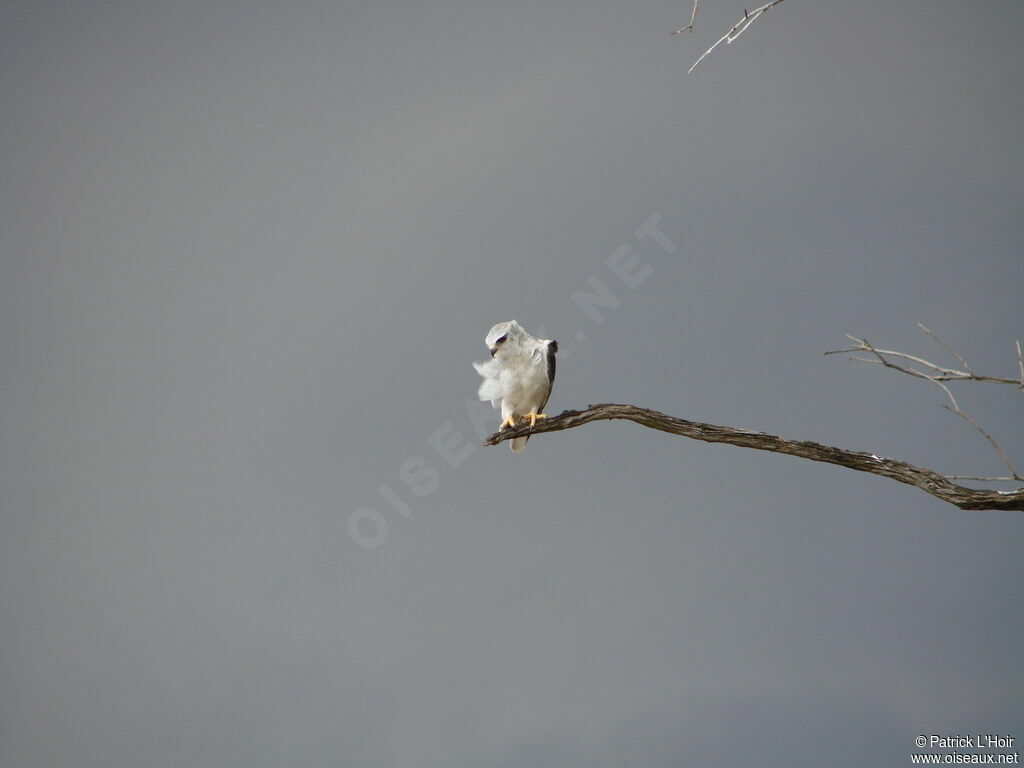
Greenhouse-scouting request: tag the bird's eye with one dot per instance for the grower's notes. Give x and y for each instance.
(500, 340)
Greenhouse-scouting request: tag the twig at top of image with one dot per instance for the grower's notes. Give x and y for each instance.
(737, 29)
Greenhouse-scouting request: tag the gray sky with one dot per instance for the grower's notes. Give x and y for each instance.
(249, 251)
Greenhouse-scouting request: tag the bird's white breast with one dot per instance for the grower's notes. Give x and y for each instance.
(524, 382)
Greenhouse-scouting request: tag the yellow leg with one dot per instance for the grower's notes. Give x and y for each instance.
(510, 421)
(534, 416)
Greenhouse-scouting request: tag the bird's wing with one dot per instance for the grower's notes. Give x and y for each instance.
(549, 363)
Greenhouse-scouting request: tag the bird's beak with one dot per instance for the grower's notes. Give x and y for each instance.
(493, 350)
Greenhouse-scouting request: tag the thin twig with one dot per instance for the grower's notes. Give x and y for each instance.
(928, 480)
(947, 348)
(911, 371)
(937, 375)
(738, 29)
(688, 27)
(987, 436)
(946, 390)
(939, 372)
(1020, 364)
(985, 479)
(952, 372)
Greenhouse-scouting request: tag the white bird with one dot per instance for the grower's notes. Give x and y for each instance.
(519, 378)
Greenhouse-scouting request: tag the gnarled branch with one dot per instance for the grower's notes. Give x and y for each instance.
(927, 480)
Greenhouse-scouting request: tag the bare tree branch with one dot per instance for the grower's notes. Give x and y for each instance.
(908, 370)
(991, 440)
(938, 374)
(738, 29)
(929, 481)
(946, 347)
(688, 27)
(985, 479)
(1020, 364)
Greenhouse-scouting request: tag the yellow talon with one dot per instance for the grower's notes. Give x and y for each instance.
(534, 417)
(510, 421)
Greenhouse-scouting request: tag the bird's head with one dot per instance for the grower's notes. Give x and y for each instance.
(501, 335)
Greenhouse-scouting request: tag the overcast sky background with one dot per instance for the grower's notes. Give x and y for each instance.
(249, 252)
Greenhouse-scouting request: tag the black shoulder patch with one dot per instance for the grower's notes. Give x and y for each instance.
(552, 348)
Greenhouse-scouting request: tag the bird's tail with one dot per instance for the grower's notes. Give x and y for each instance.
(518, 443)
